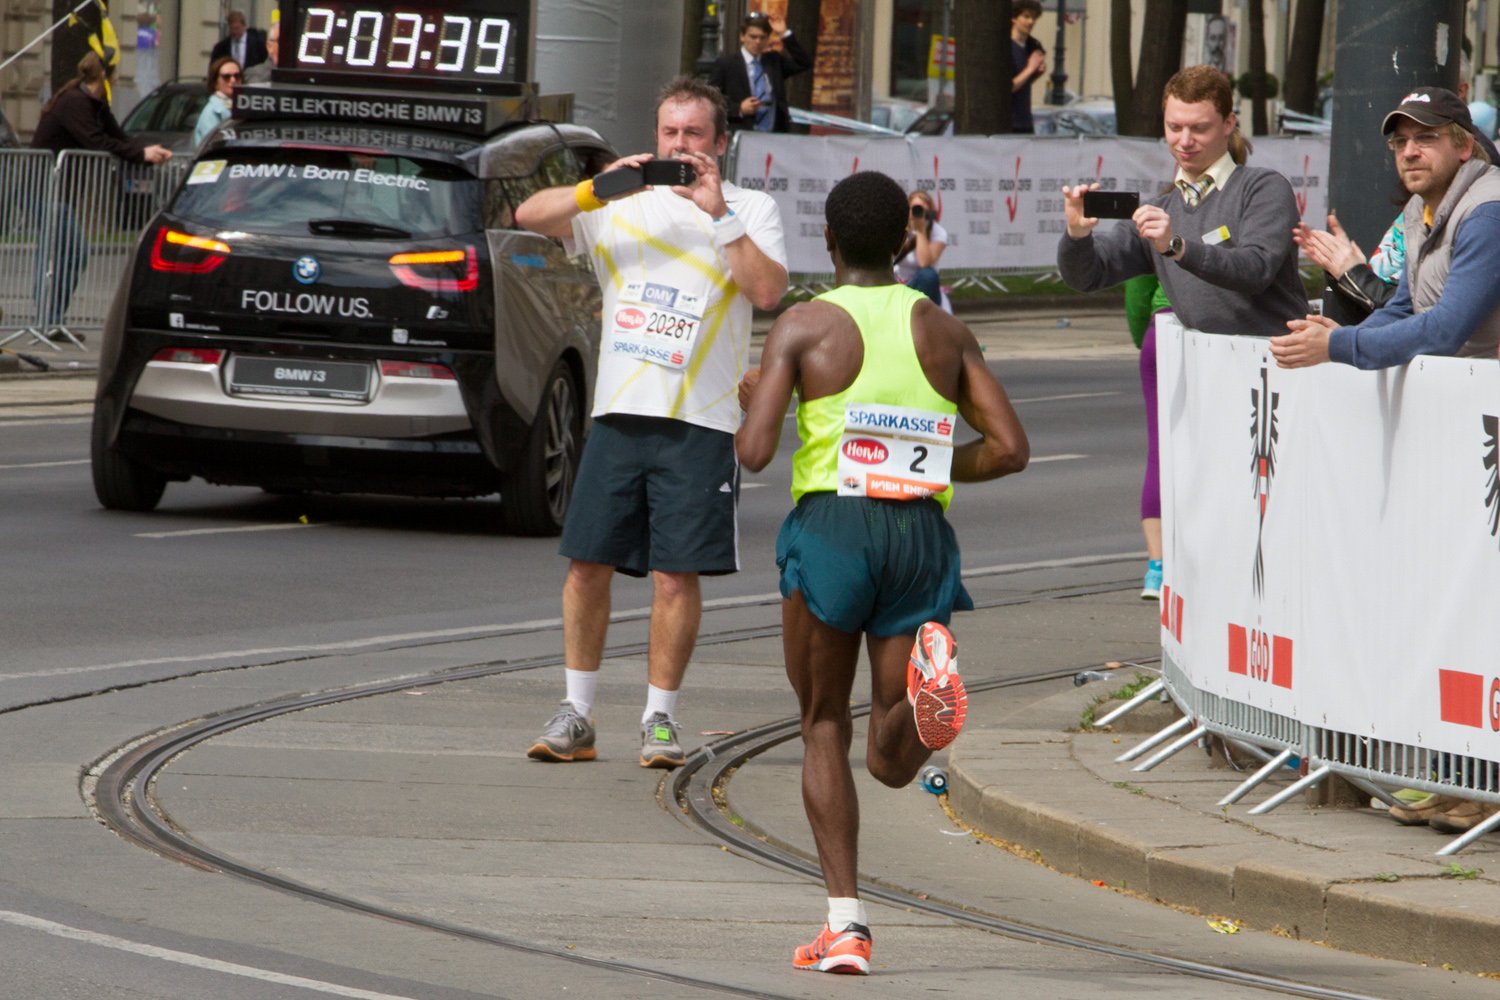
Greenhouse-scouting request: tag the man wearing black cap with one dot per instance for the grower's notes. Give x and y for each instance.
(1448, 298)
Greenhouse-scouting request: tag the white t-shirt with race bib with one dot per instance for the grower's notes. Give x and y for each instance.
(676, 337)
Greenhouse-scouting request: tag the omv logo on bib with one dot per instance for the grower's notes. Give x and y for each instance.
(306, 270)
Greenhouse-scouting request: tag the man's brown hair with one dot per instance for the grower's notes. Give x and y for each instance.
(1195, 84)
(760, 21)
(1019, 7)
(235, 15)
(690, 88)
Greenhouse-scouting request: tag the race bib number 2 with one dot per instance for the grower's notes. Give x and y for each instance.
(894, 452)
(656, 323)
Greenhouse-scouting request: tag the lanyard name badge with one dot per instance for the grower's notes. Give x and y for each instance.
(656, 323)
(894, 452)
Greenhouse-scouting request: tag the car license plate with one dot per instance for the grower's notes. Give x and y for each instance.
(297, 377)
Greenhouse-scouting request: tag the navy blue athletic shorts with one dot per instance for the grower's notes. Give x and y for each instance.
(655, 494)
(883, 567)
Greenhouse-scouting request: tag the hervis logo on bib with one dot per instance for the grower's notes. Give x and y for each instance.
(630, 319)
(866, 451)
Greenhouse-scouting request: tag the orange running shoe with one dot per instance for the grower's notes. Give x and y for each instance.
(934, 688)
(847, 952)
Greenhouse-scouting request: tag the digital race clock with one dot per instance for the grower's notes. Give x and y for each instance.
(457, 44)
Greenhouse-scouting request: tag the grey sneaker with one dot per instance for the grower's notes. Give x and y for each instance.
(659, 746)
(569, 737)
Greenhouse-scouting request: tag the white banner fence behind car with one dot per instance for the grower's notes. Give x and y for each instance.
(1333, 557)
(999, 197)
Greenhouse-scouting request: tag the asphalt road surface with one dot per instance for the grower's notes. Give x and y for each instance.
(221, 576)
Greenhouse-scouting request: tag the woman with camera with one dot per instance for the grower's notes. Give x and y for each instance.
(916, 264)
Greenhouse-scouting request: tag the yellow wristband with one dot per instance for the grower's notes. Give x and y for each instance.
(584, 195)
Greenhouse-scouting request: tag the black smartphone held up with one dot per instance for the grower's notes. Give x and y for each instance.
(669, 173)
(628, 180)
(1110, 204)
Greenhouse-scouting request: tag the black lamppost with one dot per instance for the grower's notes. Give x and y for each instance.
(710, 50)
(1059, 95)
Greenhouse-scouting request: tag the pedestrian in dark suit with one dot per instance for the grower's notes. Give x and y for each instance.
(244, 45)
(753, 78)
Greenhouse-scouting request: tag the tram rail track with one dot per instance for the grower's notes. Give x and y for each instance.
(119, 790)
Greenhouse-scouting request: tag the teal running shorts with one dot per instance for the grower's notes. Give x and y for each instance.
(883, 567)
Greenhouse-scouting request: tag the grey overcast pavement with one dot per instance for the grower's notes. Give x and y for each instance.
(421, 801)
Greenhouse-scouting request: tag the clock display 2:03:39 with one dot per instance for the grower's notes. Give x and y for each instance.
(346, 38)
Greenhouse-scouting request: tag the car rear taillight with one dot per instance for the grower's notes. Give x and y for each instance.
(408, 369)
(189, 355)
(426, 270)
(186, 254)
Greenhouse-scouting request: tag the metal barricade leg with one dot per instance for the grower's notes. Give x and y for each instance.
(1144, 695)
(1271, 767)
(1454, 846)
(1172, 750)
(1295, 788)
(1149, 743)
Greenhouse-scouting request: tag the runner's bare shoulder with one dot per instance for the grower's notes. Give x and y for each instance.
(941, 342)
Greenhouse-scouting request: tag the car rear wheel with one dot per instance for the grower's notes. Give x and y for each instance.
(534, 495)
(121, 483)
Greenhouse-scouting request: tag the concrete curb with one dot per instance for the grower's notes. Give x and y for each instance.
(1042, 790)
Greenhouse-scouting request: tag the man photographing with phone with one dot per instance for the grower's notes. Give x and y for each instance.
(658, 483)
(1219, 241)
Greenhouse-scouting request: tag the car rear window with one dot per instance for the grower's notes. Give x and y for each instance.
(281, 190)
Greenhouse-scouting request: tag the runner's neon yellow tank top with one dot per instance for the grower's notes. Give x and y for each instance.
(890, 375)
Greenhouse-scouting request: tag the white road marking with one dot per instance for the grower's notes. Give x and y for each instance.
(499, 630)
(186, 958)
(228, 531)
(39, 421)
(1071, 395)
(44, 465)
(752, 486)
(1054, 458)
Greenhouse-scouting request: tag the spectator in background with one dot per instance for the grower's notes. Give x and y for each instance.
(1448, 302)
(78, 117)
(243, 45)
(926, 239)
(1361, 287)
(753, 79)
(223, 76)
(1219, 241)
(261, 72)
(1028, 61)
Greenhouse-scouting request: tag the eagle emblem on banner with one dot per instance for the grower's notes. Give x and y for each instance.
(1492, 462)
(1263, 436)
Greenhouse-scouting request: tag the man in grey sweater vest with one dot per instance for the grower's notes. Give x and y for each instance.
(1219, 240)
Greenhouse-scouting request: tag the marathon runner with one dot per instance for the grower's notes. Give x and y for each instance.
(658, 485)
(879, 372)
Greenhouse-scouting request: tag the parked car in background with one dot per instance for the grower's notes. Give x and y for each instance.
(167, 115)
(1087, 116)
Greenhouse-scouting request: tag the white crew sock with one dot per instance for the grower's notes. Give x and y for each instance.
(581, 684)
(658, 700)
(845, 910)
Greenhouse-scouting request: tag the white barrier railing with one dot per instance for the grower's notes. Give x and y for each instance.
(66, 229)
(999, 197)
(1332, 550)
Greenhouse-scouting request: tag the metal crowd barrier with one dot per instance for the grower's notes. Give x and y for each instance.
(67, 225)
(1364, 761)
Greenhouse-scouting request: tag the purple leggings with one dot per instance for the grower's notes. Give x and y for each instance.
(1151, 485)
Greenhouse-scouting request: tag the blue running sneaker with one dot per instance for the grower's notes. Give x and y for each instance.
(1151, 586)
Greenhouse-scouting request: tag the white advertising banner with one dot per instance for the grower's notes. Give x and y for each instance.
(999, 198)
(1333, 538)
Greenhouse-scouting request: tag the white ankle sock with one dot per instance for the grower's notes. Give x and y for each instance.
(658, 700)
(845, 910)
(581, 684)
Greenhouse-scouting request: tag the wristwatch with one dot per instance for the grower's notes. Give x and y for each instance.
(1174, 247)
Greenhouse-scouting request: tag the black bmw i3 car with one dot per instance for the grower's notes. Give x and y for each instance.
(343, 307)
